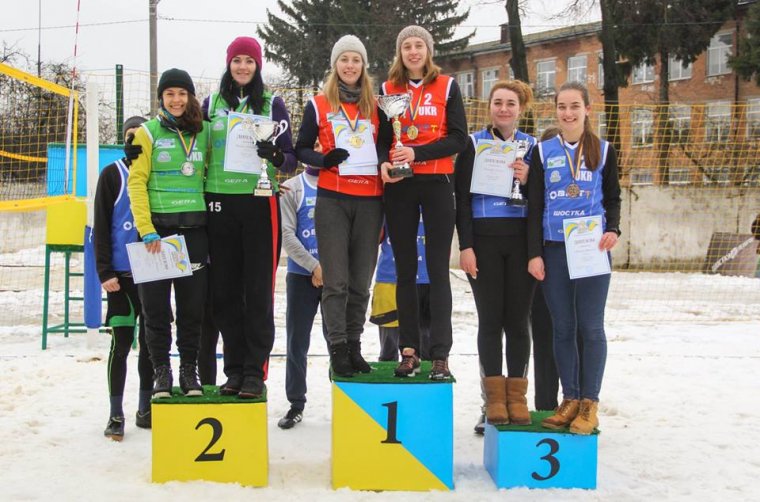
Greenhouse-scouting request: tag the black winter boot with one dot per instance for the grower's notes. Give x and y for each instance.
(355, 354)
(340, 360)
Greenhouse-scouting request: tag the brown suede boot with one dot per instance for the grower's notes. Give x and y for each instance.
(517, 403)
(496, 400)
(565, 413)
(587, 420)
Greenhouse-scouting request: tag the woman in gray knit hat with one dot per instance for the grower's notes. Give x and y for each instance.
(434, 129)
(348, 212)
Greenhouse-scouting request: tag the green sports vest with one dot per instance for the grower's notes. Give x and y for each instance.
(217, 180)
(169, 191)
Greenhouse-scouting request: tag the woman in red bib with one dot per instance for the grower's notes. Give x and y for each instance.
(433, 129)
(348, 213)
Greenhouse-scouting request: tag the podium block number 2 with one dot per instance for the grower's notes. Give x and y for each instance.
(216, 427)
(549, 457)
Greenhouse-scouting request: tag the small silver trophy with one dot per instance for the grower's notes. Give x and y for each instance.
(266, 131)
(394, 105)
(516, 199)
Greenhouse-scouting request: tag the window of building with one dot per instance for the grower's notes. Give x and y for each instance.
(545, 77)
(717, 121)
(718, 53)
(466, 84)
(680, 122)
(753, 118)
(643, 74)
(542, 123)
(576, 69)
(642, 127)
(488, 78)
(642, 177)
(601, 125)
(677, 70)
(679, 176)
(600, 71)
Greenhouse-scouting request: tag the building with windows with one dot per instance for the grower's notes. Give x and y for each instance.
(709, 105)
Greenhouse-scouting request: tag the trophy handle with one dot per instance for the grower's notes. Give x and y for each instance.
(282, 126)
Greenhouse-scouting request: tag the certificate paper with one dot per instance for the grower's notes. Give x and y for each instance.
(172, 261)
(582, 237)
(240, 149)
(491, 174)
(360, 145)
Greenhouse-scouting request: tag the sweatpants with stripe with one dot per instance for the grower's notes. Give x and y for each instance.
(245, 237)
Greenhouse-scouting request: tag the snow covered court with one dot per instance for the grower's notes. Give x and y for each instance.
(679, 407)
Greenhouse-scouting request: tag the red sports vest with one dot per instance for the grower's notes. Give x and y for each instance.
(430, 120)
(329, 179)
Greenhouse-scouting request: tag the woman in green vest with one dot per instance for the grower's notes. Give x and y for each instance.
(166, 189)
(244, 217)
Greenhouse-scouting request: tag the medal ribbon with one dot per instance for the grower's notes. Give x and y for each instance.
(184, 144)
(575, 170)
(414, 110)
(352, 124)
(243, 105)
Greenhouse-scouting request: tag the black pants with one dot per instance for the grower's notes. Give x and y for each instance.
(503, 293)
(124, 309)
(545, 377)
(189, 298)
(434, 195)
(209, 338)
(245, 242)
(389, 335)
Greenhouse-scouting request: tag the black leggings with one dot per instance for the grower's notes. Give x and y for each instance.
(503, 293)
(434, 196)
(121, 344)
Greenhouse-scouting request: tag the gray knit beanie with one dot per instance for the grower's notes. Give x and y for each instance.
(415, 31)
(345, 44)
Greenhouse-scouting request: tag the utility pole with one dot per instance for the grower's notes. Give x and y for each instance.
(152, 11)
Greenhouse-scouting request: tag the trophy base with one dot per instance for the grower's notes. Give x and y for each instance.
(263, 192)
(400, 172)
(517, 202)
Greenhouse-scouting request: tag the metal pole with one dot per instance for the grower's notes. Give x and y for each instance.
(152, 11)
(119, 104)
(39, 39)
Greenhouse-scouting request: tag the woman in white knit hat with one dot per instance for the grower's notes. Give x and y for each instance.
(434, 128)
(348, 213)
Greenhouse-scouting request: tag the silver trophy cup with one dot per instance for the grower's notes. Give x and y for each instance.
(266, 131)
(394, 105)
(516, 199)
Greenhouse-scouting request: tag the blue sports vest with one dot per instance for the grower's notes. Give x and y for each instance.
(490, 206)
(305, 226)
(123, 229)
(386, 265)
(557, 176)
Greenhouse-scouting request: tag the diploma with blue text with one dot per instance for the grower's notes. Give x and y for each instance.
(491, 174)
(172, 261)
(582, 237)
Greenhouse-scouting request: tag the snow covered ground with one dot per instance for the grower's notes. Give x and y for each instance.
(679, 409)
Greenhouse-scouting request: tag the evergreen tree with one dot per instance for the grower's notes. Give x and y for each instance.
(301, 40)
(746, 62)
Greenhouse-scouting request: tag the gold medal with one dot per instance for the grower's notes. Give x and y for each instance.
(187, 169)
(573, 190)
(412, 132)
(355, 140)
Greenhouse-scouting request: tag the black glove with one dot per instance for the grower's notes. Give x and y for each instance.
(271, 152)
(131, 152)
(335, 157)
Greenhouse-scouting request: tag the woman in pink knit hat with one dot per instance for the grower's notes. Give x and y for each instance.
(244, 222)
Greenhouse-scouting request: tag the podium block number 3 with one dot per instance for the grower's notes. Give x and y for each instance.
(549, 457)
(216, 427)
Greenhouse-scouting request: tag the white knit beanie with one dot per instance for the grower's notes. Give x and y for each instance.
(345, 44)
(415, 31)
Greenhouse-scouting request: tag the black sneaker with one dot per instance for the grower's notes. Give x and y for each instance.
(144, 420)
(188, 380)
(409, 365)
(440, 370)
(358, 363)
(162, 382)
(291, 418)
(252, 388)
(480, 427)
(232, 386)
(340, 360)
(115, 429)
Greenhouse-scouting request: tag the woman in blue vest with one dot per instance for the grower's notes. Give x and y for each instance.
(244, 230)
(166, 189)
(114, 229)
(572, 175)
(493, 252)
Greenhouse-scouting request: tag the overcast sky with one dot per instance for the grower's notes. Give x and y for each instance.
(195, 34)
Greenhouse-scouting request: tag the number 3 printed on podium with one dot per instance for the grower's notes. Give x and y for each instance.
(549, 457)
